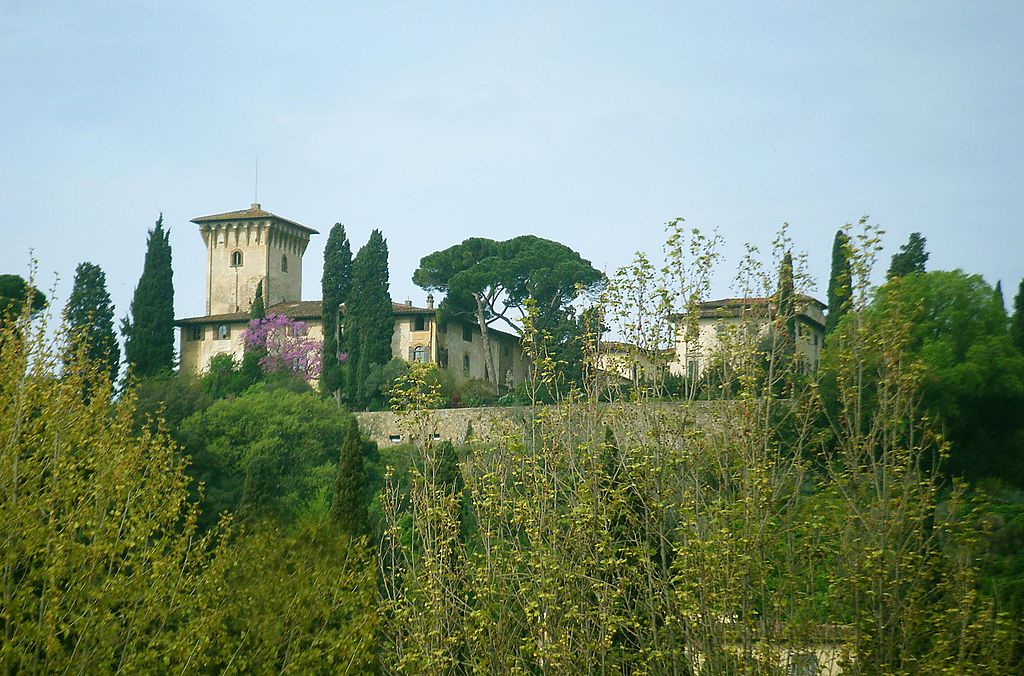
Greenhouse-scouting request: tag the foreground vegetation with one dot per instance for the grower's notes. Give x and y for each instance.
(239, 523)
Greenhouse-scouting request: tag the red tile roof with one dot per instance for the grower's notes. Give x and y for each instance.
(255, 212)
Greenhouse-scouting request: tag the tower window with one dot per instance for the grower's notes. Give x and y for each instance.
(195, 332)
(419, 324)
(284, 263)
(223, 332)
(236, 259)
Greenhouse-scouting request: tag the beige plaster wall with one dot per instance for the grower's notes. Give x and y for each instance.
(262, 243)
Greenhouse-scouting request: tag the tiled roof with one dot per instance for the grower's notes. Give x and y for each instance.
(254, 212)
(310, 309)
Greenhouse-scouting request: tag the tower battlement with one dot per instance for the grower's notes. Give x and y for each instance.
(246, 247)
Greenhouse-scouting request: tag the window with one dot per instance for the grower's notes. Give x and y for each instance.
(815, 340)
(692, 367)
(442, 358)
(465, 364)
(236, 259)
(395, 438)
(467, 333)
(442, 327)
(195, 332)
(419, 354)
(223, 332)
(419, 324)
(284, 263)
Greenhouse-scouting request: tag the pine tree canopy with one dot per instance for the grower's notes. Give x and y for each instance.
(90, 317)
(149, 333)
(335, 285)
(14, 290)
(911, 258)
(840, 282)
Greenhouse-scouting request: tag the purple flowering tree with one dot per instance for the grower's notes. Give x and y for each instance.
(285, 346)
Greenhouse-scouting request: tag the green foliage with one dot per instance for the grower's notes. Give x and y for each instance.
(369, 322)
(101, 563)
(1017, 321)
(335, 285)
(268, 453)
(164, 401)
(258, 309)
(483, 280)
(840, 282)
(226, 377)
(973, 376)
(911, 257)
(787, 304)
(89, 316)
(149, 333)
(348, 503)
(294, 601)
(14, 291)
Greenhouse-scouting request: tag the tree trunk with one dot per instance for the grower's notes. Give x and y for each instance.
(492, 374)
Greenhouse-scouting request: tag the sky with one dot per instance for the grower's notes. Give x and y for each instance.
(589, 123)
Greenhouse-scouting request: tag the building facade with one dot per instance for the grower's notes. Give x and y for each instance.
(734, 320)
(253, 245)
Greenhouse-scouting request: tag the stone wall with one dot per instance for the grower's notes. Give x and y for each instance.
(451, 424)
(494, 422)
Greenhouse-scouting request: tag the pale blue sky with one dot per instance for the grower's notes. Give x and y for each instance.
(590, 123)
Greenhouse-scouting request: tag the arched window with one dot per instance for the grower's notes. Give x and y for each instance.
(419, 324)
(284, 263)
(419, 354)
(223, 332)
(236, 259)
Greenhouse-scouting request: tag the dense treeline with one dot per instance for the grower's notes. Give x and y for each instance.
(759, 519)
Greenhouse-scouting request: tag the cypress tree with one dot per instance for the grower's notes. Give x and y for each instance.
(448, 472)
(840, 282)
(1017, 323)
(787, 303)
(258, 309)
(251, 369)
(149, 334)
(90, 316)
(369, 322)
(911, 257)
(348, 505)
(335, 284)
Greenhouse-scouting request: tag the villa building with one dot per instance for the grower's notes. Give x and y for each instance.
(251, 246)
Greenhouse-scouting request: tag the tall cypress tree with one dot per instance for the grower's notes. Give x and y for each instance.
(787, 303)
(335, 285)
(258, 309)
(1017, 323)
(149, 334)
(348, 505)
(840, 282)
(90, 317)
(369, 322)
(911, 257)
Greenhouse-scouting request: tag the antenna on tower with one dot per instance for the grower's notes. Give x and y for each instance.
(256, 183)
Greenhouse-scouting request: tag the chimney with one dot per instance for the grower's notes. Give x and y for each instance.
(430, 301)
(255, 206)
(408, 303)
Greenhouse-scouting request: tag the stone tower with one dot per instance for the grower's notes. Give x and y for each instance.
(245, 247)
